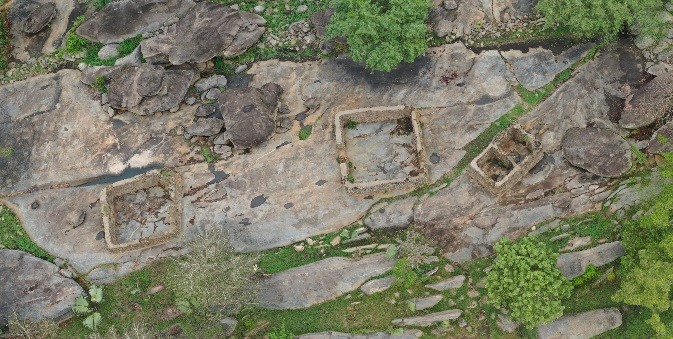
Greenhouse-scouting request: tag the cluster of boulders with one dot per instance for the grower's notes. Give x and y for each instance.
(659, 51)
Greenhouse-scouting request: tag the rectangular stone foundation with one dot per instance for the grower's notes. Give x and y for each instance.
(380, 114)
(167, 180)
(511, 155)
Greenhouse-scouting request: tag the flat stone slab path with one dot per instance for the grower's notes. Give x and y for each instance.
(581, 326)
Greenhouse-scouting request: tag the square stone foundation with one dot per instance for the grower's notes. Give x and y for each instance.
(511, 155)
(143, 211)
(383, 153)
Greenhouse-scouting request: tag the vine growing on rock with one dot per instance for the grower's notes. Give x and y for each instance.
(525, 280)
(381, 34)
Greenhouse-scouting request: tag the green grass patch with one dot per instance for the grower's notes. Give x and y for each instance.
(129, 45)
(5, 41)
(14, 237)
(99, 4)
(221, 67)
(6, 152)
(305, 132)
(208, 155)
(76, 45)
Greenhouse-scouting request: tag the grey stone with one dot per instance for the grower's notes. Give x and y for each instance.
(649, 103)
(320, 20)
(302, 8)
(577, 242)
(428, 319)
(125, 19)
(581, 326)
(33, 288)
(108, 51)
(506, 324)
(450, 4)
(406, 334)
(75, 218)
(321, 281)
(190, 101)
(419, 304)
(377, 285)
(249, 114)
(228, 326)
(396, 215)
(259, 9)
(39, 18)
(205, 127)
(451, 283)
(146, 89)
(224, 31)
(597, 150)
(575, 263)
(205, 110)
(211, 94)
(240, 69)
(643, 41)
(223, 150)
(662, 140)
(211, 82)
(222, 139)
(539, 66)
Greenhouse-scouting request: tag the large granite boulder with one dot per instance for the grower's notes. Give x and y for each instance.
(146, 89)
(33, 289)
(125, 19)
(250, 113)
(649, 104)
(581, 326)
(39, 26)
(321, 281)
(597, 150)
(207, 31)
(574, 264)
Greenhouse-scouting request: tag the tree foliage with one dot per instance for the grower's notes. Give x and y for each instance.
(525, 280)
(381, 33)
(648, 265)
(606, 18)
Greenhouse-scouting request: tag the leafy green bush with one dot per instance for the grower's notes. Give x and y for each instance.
(89, 307)
(525, 280)
(589, 275)
(607, 18)
(381, 33)
(403, 273)
(212, 277)
(305, 132)
(648, 265)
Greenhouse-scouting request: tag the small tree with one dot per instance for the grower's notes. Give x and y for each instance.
(381, 33)
(607, 18)
(525, 280)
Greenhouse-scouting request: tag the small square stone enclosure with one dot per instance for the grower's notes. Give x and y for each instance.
(512, 154)
(143, 211)
(402, 141)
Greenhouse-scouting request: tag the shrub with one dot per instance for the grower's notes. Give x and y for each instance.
(305, 132)
(648, 264)
(28, 329)
(280, 333)
(525, 280)
(415, 249)
(403, 274)
(381, 33)
(607, 18)
(212, 277)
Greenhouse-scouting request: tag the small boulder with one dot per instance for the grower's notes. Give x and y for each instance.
(39, 18)
(428, 319)
(574, 264)
(75, 218)
(108, 51)
(451, 283)
(597, 150)
(396, 215)
(250, 114)
(211, 82)
(419, 304)
(228, 326)
(377, 285)
(205, 127)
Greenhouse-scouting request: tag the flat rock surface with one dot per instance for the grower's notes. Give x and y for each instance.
(597, 150)
(407, 334)
(377, 285)
(396, 215)
(49, 37)
(206, 31)
(649, 103)
(574, 264)
(420, 304)
(581, 326)
(539, 66)
(428, 319)
(447, 284)
(125, 19)
(33, 289)
(321, 281)
(662, 140)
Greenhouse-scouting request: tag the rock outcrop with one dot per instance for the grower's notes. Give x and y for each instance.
(33, 288)
(597, 150)
(321, 281)
(207, 31)
(649, 103)
(125, 19)
(146, 89)
(581, 326)
(574, 264)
